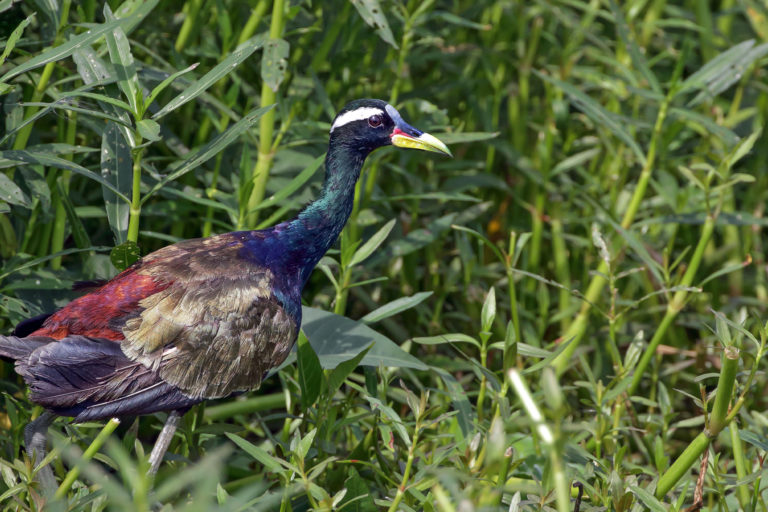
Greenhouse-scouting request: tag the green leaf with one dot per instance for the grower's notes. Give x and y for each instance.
(637, 56)
(17, 310)
(395, 307)
(149, 129)
(10, 43)
(723, 71)
(306, 443)
(459, 401)
(463, 137)
(339, 374)
(336, 339)
(488, 312)
(373, 243)
(742, 149)
(36, 157)
(650, 502)
(310, 372)
(371, 12)
(117, 169)
(755, 440)
(274, 62)
(43, 259)
(11, 193)
(64, 50)
(390, 414)
(450, 337)
(196, 158)
(596, 112)
(165, 83)
(293, 185)
(80, 235)
(222, 69)
(266, 460)
(122, 60)
(125, 255)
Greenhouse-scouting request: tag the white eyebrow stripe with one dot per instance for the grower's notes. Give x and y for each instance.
(355, 115)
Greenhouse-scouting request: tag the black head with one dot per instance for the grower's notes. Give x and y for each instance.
(364, 125)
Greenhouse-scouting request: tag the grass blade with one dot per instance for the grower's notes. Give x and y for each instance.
(222, 69)
(197, 158)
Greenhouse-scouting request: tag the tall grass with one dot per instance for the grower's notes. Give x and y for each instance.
(583, 287)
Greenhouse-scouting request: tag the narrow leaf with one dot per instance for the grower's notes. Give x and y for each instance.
(451, 337)
(196, 158)
(31, 158)
(220, 70)
(11, 193)
(310, 373)
(80, 235)
(341, 372)
(274, 62)
(596, 112)
(122, 60)
(395, 307)
(371, 244)
(371, 12)
(293, 185)
(267, 460)
(64, 50)
(117, 169)
(10, 43)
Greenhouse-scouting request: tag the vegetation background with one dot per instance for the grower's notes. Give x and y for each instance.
(579, 294)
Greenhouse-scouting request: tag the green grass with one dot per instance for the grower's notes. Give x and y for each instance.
(582, 288)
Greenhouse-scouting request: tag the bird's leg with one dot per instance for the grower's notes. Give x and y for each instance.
(163, 440)
(35, 436)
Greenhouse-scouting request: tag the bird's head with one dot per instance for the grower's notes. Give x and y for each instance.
(368, 124)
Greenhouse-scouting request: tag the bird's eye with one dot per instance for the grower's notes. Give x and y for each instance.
(375, 121)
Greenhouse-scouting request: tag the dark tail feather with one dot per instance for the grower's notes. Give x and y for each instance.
(30, 325)
(20, 348)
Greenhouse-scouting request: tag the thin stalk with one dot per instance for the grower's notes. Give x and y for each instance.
(717, 421)
(253, 22)
(135, 210)
(407, 472)
(94, 447)
(60, 218)
(266, 153)
(675, 305)
(193, 10)
(741, 467)
(512, 357)
(576, 331)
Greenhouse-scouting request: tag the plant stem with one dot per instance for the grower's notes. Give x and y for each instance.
(675, 305)
(576, 331)
(741, 466)
(407, 472)
(94, 447)
(717, 421)
(135, 210)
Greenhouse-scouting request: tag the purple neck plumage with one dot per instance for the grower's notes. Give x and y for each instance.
(301, 242)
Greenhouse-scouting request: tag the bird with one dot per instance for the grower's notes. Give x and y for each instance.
(200, 319)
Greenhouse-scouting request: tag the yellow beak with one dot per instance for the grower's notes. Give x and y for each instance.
(425, 142)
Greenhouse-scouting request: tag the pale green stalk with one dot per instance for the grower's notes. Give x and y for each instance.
(675, 305)
(89, 453)
(717, 421)
(576, 331)
(135, 210)
(266, 153)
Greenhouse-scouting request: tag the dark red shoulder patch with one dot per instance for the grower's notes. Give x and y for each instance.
(99, 313)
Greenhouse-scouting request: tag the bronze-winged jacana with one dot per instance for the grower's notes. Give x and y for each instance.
(199, 319)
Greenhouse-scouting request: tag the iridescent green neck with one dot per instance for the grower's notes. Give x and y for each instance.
(309, 236)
